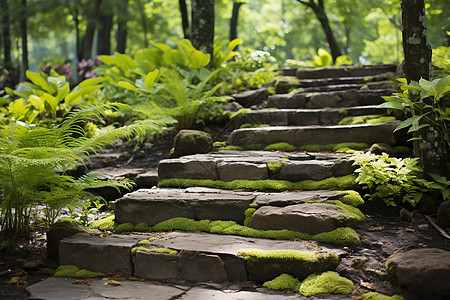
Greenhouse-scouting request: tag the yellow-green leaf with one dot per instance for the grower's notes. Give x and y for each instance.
(38, 80)
(91, 81)
(36, 102)
(127, 85)
(62, 92)
(150, 78)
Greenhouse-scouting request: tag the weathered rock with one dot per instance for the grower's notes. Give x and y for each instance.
(287, 101)
(443, 213)
(305, 170)
(152, 206)
(423, 273)
(345, 71)
(199, 168)
(291, 198)
(285, 84)
(148, 179)
(252, 97)
(188, 142)
(303, 135)
(271, 117)
(195, 267)
(110, 254)
(229, 171)
(56, 233)
(311, 218)
(324, 100)
(303, 117)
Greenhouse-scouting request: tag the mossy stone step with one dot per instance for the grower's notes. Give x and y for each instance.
(344, 80)
(320, 135)
(377, 85)
(255, 165)
(334, 99)
(345, 71)
(304, 117)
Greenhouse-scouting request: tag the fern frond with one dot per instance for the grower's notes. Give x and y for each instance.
(95, 180)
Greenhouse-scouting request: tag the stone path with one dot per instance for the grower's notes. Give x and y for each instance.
(266, 233)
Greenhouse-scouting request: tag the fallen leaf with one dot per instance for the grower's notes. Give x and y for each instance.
(428, 238)
(409, 230)
(422, 245)
(113, 283)
(14, 280)
(367, 285)
(376, 228)
(82, 281)
(131, 278)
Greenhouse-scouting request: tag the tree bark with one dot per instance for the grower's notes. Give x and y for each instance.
(432, 148)
(202, 29)
(319, 10)
(24, 37)
(184, 18)
(415, 41)
(6, 35)
(234, 20)
(88, 38)
(121, 37)
(104, 32)
(143, 22)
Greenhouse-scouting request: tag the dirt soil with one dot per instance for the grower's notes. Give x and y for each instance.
(384, 233)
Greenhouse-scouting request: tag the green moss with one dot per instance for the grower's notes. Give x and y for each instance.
(154, 238)
(68, 220)
(340, 147)
(182, 224)
(344, 182)
(274, 167)
(124, 227)
(142, 227)
(340, 236)
(280, 147)
(248, 125)
(351, 198)
(219, 144)
(105, 224)
(248, 215)
(47, 271)
(74, 271)
(231, 147)
(143, 242)
(326, 283)
(343, 112)
(156, 250)
(377, 296)
(352, 213)
(368, 119)
(283, 282)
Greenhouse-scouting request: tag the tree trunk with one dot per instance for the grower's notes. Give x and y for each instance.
(202, 30)
(432, 148)
(88, 38)
(234, 20)
(143, 22)
(319, 11)
(104, 33)
(121, 37)
(184, 18)
(76, 20)
(24, 37)
(6, 35)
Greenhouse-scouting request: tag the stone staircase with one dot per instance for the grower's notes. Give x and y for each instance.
(278, 219)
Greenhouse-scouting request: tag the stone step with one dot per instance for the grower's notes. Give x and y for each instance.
(304, 117)
(317, 82)
(152, 206)
(199, 257)
(341, 87)
(321, 135)
(334, 99)
(344, 71)
(227, 165)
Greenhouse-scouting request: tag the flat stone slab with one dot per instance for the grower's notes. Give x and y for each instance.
(203, 293)
(345, 71)
(424, 273)
(291, 198)
(109, 254)
(119, 173)
(304, 135)
(344, 80)
(378, 85)
(152, 206)
(204, 256)
(147, 179)
(251, 97)
(252, 165)
(319, 100)
(311, 218)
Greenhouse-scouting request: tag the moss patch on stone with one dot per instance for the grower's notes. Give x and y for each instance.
(248, 215)
(352, 198)
(274, 167)
(182, 224)
(280, 147)
(340, 147)
(352, 213)
(124, 227)
(105, 224)
(68, 220)
(283, 282)
(156, 250)
(377, 296)
(74, 271)
(367, 119)
(345, 182)
(326, 283)
(231, 147)
(141, 227)
(339, 236)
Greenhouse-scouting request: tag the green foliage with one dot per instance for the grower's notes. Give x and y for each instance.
(124, 227)
(351, 198)
(377, 296)
(222, 55)
(393, 180)
(321, 59)
(368, 119)
(283, 282)
(274, 167)
(74, 271)
(326, 283)
(441, 58)
(142, 227)
(280, 147)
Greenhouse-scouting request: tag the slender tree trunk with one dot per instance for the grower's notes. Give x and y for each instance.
(121, 37)
(6, 35)
(432, 148)
(104, 33)
(234, 20)
(319, 10)
(184, 18)
(202, 30)
(76, 20)
(88, 38)
(24, 37)
(143, 22)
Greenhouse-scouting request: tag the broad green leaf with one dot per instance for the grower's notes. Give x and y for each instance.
(37, 102)
(91, 81)
(51, 101)
(417, 128)
(234, 43)
(392, 104)
(427, 87)
(441, 83)
(127, 85)
(408, 122)
(75, 96)
(107, 59)
(62, 92)
(440, 179)
(150, 78)
(161, 46)
(38, 80)
(199, 59)
(125, 61)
